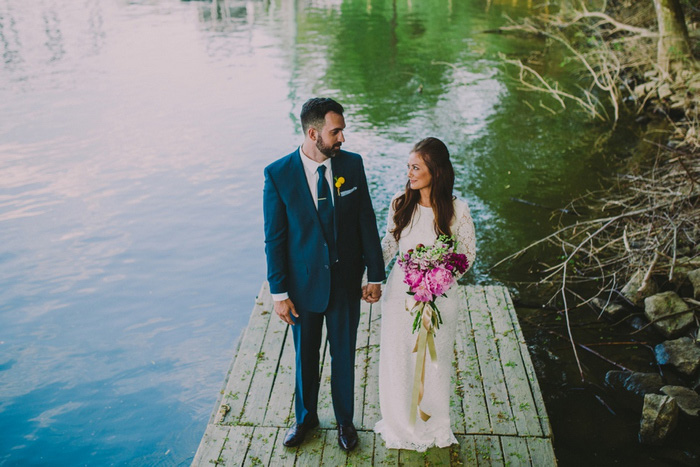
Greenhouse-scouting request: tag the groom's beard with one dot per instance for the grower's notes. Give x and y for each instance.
(328, 151)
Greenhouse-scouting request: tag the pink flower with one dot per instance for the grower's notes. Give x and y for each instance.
(413, 277)
(438, 280)
(422, 293)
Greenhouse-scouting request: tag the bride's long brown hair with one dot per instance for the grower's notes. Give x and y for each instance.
(437, 158)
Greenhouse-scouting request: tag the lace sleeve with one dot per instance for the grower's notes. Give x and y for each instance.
(389, 244)
(465, 235)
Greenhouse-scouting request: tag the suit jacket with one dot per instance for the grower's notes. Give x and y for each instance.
(297, 254)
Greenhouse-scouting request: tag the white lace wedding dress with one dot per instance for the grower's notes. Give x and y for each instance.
(396, 360)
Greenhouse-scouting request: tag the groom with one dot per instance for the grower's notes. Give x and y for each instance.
(320, 234)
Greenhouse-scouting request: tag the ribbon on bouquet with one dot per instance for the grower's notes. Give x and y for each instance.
(424, 341)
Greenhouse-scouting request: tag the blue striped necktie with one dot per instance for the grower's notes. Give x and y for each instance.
(325, 213)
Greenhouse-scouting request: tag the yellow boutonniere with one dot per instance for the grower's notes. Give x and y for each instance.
(338, 183)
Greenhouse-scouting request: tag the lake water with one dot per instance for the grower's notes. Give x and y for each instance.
(133, 136)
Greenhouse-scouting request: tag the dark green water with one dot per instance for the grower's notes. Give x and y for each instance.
(133, 135)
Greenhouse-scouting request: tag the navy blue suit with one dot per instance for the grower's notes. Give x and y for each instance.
(298, 263)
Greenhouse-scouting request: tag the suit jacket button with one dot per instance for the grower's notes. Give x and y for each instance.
(326, 266)
(325, 244)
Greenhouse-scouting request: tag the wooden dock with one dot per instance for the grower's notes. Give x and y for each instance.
(498, 414)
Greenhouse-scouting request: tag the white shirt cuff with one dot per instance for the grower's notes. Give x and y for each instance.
(278, 297)
(374, 282)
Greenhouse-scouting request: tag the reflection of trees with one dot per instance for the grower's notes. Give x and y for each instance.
(54, 37)
(9, 40)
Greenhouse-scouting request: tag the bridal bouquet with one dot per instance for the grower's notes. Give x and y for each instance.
(429, 273)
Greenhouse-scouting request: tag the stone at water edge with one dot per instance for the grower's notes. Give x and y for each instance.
(632, 290)
(682, 353)
(683, 267)
(612, 310)
(665, 304)
(694, 278)
(659, 418)
(688, 400)
(634, 382)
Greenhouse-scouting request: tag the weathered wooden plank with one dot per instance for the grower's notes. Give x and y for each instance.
(236, 445)
(311, 452)
(488, 450)
(437, 456)
(541, 452)
(382, 455)
(495, 389)
(243, 368)
(362, 454)
(261, 446)
(515, 452)
(411, 458)
(332, 453)
(210, 447)
(280, 408)
(513, 366)
(371, 413)
(361, 361)
(476, 417)
(529, 368)
(282, 456)
(466, 451)
(266, 365)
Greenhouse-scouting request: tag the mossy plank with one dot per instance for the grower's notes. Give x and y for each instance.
(541, 452)
(496, 393)
(266, 363)
(210, 447)
(236, 445)
(362, 454)
(465, 453)
(371, 413)
(311, 452)
(488, 450)
(437, 456)
(382, 455)
(332, 454)
(361, 349)
(513, 365)
(529, 368)
(279, 410)
(474, 410)
(411, 458)
(515, 452)
(243, 368)
(261, 446)
(282, 456)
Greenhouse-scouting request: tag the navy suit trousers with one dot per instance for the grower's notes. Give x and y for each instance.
(342, 318)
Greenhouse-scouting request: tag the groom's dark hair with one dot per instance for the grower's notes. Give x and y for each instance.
(313, 112)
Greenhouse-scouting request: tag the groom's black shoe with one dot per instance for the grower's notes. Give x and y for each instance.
(347, 437)
(297, 433)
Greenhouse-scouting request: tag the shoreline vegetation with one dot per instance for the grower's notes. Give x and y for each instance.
(638, 252)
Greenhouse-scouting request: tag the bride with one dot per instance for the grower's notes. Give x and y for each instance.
(424, 211)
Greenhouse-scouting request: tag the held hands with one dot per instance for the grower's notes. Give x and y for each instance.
(371, 293)
(285, 309)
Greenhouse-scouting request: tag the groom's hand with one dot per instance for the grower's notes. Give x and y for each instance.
(371, 293)
(285, 309)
